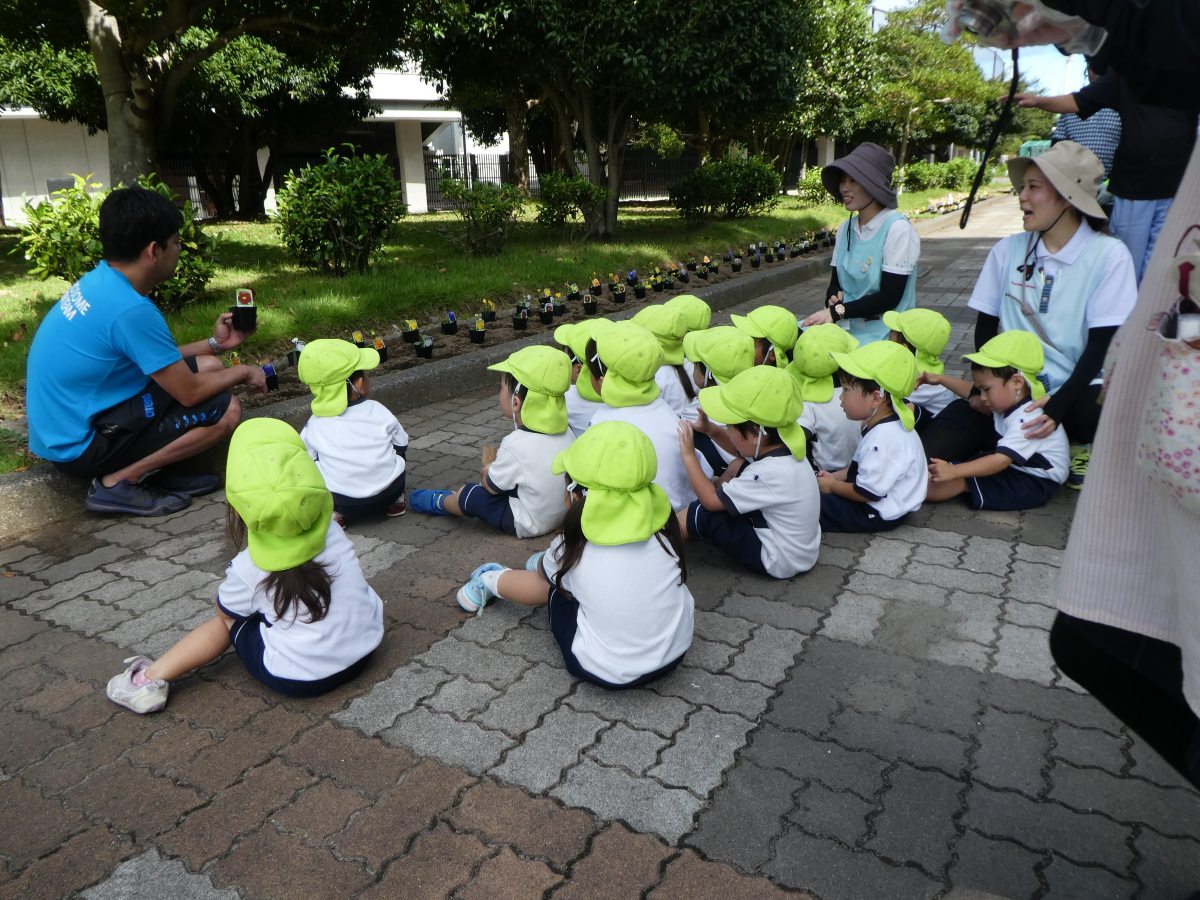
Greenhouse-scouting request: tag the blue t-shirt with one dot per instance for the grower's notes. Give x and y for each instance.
(96, 347)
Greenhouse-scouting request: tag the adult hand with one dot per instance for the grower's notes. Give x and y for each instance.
(835, 299)
(940, 470)
(255, 379)
(1042, 426)
(818, 318)
(227, 336)
(1028, 100)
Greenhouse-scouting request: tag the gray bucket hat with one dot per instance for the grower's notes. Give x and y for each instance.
(1074, 170)
(868, 164)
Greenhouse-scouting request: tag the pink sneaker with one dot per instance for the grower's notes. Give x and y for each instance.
(148, 697)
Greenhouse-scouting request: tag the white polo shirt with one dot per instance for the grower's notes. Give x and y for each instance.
(309, 651)
(634, 615)
(889, 469)
(901, 246)
(522, 465)
(779, 495)
(671, 389)
(580, 410)
(356, 451)
(1048, 457)
(933, 398)
(658, 422)
(836, 436)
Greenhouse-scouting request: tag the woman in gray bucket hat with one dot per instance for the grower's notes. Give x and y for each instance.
(876, 251)
(1061, 279)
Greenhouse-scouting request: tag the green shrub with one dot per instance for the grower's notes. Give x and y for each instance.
(563, 199)
(730, 188)
(920, 175)
(488, 212)
(62, 239)
(335, 215)
(958, 173)
(811, 189)
(955, 175)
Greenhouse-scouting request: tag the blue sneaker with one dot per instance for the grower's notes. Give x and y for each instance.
(183, 483)
(431, 503)
(474, 595)
(133, 499)
(534, 563)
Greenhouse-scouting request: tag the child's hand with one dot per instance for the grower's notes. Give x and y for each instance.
(940, 470)
(488, 454)
(928, 378)
(687, 441)
(703, 423)
(483, 474)
(825, 482)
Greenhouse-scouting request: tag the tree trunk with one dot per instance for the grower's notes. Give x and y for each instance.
(705, 143)
(128, 100)
(518, 141)
(803, 158)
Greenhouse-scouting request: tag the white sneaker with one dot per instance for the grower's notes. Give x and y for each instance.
(150, 697)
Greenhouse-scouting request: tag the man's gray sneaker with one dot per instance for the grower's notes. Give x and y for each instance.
(133, 499)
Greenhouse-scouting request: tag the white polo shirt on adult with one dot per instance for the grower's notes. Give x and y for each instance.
(298, 649)
(635, 615)
(889, 469)
(779, 496)
(356, 451)
(659, 423)
(523, 464)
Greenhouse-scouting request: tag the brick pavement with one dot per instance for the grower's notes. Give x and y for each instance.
(889, 724)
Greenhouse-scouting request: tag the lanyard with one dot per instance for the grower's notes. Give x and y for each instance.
(1047, 287)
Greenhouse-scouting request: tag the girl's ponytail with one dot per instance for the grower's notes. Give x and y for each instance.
(307, 585)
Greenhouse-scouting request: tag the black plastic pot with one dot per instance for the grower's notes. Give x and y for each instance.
(488, 315)
(545, 317)
(639, 292)
(477, 336)
(425, 352)
(410, 337)
(520, 323)
(736, 265)
(449, 328)
(590, 306)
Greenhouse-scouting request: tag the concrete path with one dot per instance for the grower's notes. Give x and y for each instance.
(888, 725)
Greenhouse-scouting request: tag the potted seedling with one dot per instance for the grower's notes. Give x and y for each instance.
(591, 304)
(691, 264)
(449, 323)
(639, 289)
(271, 376)
(736, 263)
(425, 347)
(613, 283)
(682, 273)
(546, 312)
(488, 313)
(631, 278)
(293, 356)
(478, 331)
(557, 304)
(755, 257)
(380, 348)
(409, 332)
(521, 318)
(714, 264)
(594, 287)
(573, 292)
(657, 283)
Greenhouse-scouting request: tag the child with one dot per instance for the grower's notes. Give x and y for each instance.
(697, 316)
(833, 437)
(774, 330)
(673, 380)
(582, 400)
(1023, 472)
(358, 445)
(886, 480)
(924, 333)
(614, 579)
(622, 363)
(294, 603)
(517, 493)
(765, 513)
(875, 256)
(717, 355)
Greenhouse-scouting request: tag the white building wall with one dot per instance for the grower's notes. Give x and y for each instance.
(33, 151)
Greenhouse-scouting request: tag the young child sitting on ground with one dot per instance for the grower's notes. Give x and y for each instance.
(1023, 472)
(832, 437)
(358, 445)
(697, 316)
(622, 363)
(923, 332)
(294, 603)
(886, 480)
(614, 580)
(517, 493)
(674, 381)
(774, 330)
(583, 402)
(765, 512)
(717, 355)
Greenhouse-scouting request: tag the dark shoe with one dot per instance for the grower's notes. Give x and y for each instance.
(398, 508)
(340, 520)
(185, 484)
(133, 499)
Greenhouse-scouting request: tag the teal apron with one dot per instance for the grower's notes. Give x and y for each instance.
(860, 265)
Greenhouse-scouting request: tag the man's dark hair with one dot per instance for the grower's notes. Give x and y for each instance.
(132, 218)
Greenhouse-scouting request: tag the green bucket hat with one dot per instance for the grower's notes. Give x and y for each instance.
(575, 336)
(668, 327)
(545, 373)
(813, 365)
(723, 350)
(695, 312)
(890, 366)
(1019, 349)
(276, 488)
(616, 462)
(630, 355)
(325, 365)
(776, 324)
(926, 330)
(761, 395)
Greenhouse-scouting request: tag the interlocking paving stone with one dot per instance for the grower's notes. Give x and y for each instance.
(1168, 867)
(854, 618)
(630, 748)
(1067, 880)
(891, 739)
(1013, 752)
(835, 873)
(519, 708)
(444, 737)
(483, 663)
(715, 627)
(149, 875)
(548, 749)
(642, 802)
(1089, 747)
(1169, 811)
(885, 556)
(916, 796)
(1024, 653)
(84, 584)
(389, 699)
(771, 612)
(767, 656)
(825, 813)
(995, 867)
(723, 692)
(745, 816)
(702, 751)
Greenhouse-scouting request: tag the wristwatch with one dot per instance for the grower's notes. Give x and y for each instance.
(839, 311)
(214, 346)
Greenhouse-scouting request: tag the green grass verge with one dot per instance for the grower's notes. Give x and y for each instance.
(418, 275)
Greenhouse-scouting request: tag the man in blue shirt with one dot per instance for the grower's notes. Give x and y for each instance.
(109, 394)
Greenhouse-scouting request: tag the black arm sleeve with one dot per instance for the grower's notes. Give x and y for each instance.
(891, 290)
(986, 328)
(1088, 367)
(834, 284)
(1101, 93)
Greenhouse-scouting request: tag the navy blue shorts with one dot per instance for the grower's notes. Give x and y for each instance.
(1009, 489)
(355, 508)
(733, 534)
(708, 449)
(476, 502)
(564, 614)
(840, 514)
(248, 643)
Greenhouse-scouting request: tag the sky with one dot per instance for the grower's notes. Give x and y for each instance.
(1056, 74)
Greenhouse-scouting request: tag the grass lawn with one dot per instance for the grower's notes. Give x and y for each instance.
(419, 275)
